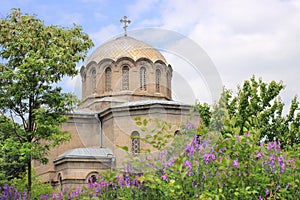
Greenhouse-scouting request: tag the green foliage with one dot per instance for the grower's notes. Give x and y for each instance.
(204, 112)
(219, 112)
(35, 58)
(38, 187)
(11, 165)
(159, 133)
(226, 167)
(256, 105)
(211, 166)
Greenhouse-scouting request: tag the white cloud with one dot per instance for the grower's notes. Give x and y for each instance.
(72, 85)
(104, 34)
(71, 18)
(140, 8)
(243, 37)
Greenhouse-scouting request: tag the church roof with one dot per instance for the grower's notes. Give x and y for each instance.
(88, 152)
(126, 46)
(149, 102)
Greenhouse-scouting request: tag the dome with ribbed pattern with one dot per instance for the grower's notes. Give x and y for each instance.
(126, 47)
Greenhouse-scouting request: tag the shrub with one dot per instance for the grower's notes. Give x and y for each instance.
(208, 166)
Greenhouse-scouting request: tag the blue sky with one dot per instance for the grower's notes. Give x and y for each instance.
(241, 37)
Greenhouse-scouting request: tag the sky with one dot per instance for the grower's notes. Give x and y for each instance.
(239, 38)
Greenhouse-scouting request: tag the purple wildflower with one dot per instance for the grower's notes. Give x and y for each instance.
(272, 160)
(203, 176)
(191, 151)
(16, 193)
(206, 158)
(200, 148)
(120, 181)
(271, 145)
(262, 144)
(25, 193)
(127, 180)
(170, 162)
(135, 182)
(77, 191)
(259, 155)
(281, 163)
(235, 163)
(238, 138)
(287, 186)
(71, 195)
(274, 145)
(188, 164)
(267, 192)
(6, 190)
(277, 188)
(164, 177)
(213, 157)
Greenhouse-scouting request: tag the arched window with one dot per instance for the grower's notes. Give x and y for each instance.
(93, 80)
(83, 76)
(157, 79)
(143, 78)
(60, 183)
(125, 78)
(168, 84)
(92, 177)
(177, 132)
(107, 79)
(135, 143)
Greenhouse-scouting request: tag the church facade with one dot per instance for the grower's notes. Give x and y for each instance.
(122, 79)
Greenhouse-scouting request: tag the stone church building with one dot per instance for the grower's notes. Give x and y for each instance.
(122, 79)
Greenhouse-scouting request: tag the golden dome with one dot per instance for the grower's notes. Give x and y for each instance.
(125, 47)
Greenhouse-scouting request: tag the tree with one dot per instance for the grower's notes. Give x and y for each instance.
(257, 106)
(204, 112)
(35, 58)
(10, 163)
(219, 112)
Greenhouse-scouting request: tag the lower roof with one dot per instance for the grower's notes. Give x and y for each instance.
(87, 152)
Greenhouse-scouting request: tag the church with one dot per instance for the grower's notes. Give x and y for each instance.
(122, 79)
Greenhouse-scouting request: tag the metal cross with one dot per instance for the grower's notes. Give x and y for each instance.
(126, 22)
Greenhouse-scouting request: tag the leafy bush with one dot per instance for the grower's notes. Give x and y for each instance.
(18, 188)
(194, 166)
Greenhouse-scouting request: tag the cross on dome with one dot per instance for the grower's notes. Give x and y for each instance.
(126, 22)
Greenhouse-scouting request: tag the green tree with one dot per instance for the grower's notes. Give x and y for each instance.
(35, 57)
(204, 112)
(256, 105)
(10, 163)
(219, 112)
